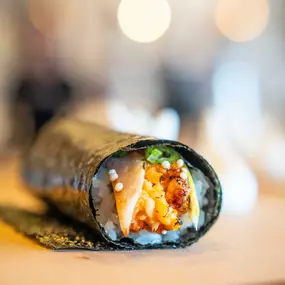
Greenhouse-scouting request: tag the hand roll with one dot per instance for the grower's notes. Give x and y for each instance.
(137, 192)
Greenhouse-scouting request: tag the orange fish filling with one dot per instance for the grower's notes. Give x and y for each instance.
(165, 198)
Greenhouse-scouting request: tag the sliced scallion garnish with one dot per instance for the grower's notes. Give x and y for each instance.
(158, 154)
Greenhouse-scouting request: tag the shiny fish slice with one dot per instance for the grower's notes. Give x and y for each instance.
(131, 174)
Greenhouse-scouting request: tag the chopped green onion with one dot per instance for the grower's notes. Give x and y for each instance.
(158, 154)
(153, 155)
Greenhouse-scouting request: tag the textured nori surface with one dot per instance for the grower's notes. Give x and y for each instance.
(60, 165)
(53, 230)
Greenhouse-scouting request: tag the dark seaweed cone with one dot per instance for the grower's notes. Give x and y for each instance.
(67, 154)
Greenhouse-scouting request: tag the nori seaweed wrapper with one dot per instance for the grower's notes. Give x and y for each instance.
(67, 154)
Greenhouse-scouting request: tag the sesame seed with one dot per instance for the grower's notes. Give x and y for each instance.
(164, 232)
(113, 177)
(165, 164)
(183, 175)
(180, 163)
(119, 187)
(184, 170)
(112, 171)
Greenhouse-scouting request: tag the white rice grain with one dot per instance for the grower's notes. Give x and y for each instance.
(107, 214)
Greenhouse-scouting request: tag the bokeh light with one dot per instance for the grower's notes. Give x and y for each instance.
(237, 98)
(144, 20)
(235, 80)
(242, 20)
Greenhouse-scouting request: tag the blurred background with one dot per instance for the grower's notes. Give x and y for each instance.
(206, 72)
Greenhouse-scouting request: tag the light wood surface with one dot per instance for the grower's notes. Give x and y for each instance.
(238, 250)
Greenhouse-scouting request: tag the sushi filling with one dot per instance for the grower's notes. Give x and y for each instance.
(149, 196)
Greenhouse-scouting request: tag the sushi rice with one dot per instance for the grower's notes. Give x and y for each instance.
(106, 212)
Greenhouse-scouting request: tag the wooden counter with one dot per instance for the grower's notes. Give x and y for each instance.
(238, 250)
